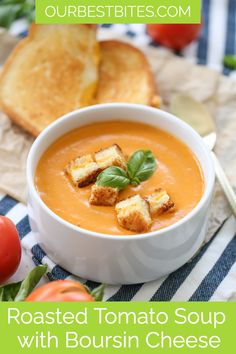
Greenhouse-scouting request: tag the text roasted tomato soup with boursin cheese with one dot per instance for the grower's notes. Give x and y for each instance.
(178, 172)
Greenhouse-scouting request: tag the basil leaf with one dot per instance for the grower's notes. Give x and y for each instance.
(8, 292)
(11, 2)
(10, 10)
(141, 166)
(113, 177)
(19, 291)
(30, 282)
(98, 292)
(8, 14)
(230, 62)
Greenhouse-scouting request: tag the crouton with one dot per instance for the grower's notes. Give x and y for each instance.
(111, 156)
(106, 196)
(83, 170)
(159, 202)
(133, 214)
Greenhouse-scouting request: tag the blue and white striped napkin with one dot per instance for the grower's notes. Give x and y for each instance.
(210, 276)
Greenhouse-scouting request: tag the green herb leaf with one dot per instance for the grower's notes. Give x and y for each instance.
(98, 292)
(230, 62)
(19, 291)
(8, 14)
(113, 177)
(8, 292)
(10, 10)
(30, 282)
(141, 166)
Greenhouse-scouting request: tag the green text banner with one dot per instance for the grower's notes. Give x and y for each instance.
(124, 327)
(117, 11)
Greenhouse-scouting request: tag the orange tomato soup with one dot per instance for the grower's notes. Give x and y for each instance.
(178, 172)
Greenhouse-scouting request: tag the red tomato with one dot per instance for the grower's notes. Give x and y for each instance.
(174, 36)
(10, 249)
(61, 290)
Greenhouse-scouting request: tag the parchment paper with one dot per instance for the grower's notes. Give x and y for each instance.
(173, 74)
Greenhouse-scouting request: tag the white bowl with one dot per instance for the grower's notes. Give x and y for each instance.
(119, 259)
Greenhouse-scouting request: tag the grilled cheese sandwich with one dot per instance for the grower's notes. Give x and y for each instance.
(50, 73)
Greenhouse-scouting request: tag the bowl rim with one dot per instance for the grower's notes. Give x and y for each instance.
(205, 196)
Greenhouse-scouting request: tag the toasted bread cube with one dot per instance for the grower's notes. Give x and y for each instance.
(111, 156)
(133, 214)
(159, 202)
(106, 196)
(83, 170)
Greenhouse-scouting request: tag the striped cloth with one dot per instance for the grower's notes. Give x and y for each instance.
(211, 275)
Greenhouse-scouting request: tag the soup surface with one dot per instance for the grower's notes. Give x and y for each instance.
(178, 172)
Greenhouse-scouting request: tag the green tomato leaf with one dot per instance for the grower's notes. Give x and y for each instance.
(230, 62)
(19, 291)
(98, 292)
(141, 166)
(113, 177)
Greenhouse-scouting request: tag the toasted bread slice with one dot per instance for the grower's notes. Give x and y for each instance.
(133, 214)
(51, 72)
(106, 196)
(125, 75)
